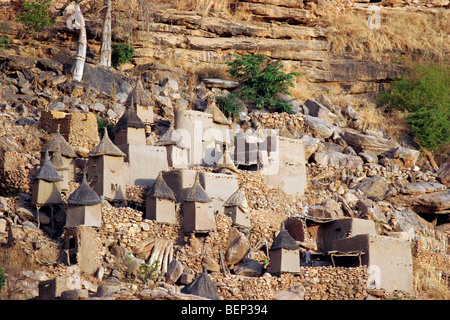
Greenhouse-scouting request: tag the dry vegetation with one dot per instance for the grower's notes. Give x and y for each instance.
(399, 31)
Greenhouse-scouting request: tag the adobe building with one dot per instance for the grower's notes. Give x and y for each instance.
(144, 162)
(180, 180)
(67, 152)
(106, 170)
(285, 167)
(82, 247)
(237, 208)
(143, 102)
(225, 164)
(63, 170)
(46, 188)
(340, 229)
(196, 129)
(78, 129)
(177, 152)
(160, 203)
(198, 213)
(389, 260)
(284, 254)
(219, 187)
(84, 207)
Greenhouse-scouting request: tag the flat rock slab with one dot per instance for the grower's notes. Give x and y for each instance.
(423, 187)
(220, 83)
(430, 203)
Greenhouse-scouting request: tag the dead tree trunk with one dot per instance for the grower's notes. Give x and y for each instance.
(77, 21)
(105, 53)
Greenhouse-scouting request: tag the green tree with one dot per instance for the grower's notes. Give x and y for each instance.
(262, 81)
(36, 15)
(122, 52)
(423, 94)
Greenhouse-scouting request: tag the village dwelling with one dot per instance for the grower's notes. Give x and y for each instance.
(69, 156)
(105, 169)
(84, 207)
(198, 214)
(46, 187)
(177, 153)
(143, 162)
(143, 102)
(284, 254)
(237, 208)
(130, 129)
(62, 168)
(160, 203)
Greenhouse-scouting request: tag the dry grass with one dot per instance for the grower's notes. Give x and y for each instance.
(428, 271)
(400, 30)
(14, 260)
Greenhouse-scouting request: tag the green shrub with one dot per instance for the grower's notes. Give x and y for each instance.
(36, 14)
(122, 52)
(4, 42)
(262, 80)
(424, 94)
(149, 271)
(102, 124)
(2, 278)
(229, 104)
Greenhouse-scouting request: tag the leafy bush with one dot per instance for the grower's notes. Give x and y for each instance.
(424, 94)
(262, 80)
(102, 124)
(229, 104)
(36, 14)
(4, 42)
(149, 271)
(2, 278)
(122, 52)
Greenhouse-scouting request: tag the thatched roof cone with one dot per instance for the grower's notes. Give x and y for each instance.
(197, 193)
(58, 140)
(139, 96)
(84, 195)
(130, 119)
(106, 147)
(161, 190)
(58, 161)
(47, 171)
(284, 241)
(238, 199)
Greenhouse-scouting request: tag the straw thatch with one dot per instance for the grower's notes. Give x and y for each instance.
(84, 195)
(284, 241)
(238, 199)
(106, 147)
(197, 193)
(161, 190)
(47, 171)
(58, 140)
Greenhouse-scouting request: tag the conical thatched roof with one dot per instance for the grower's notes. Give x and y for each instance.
(84, 195)
(284, 241)
(130, 119)
(58, 140)
(58, 161)
(202, 287)
(226, 162)
(139, 96)
(197, 193)
(47, 171)
(238, 199)
(160, 189)
(106, 147)
(217, 114)
(171, 137)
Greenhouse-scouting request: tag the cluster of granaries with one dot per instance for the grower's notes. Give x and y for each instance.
(111, 167)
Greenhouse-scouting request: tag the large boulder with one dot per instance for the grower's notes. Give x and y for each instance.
(319, 127)
(376, 188)
(443, 173)
(369, 143)
(337, 159)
